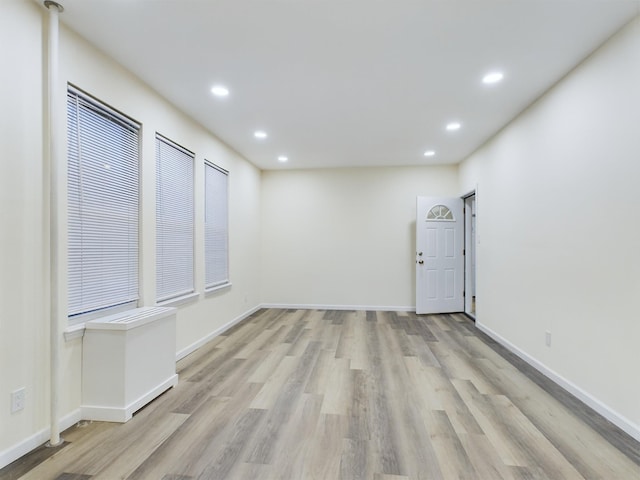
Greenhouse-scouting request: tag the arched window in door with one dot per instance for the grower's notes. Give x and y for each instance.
(440, 212)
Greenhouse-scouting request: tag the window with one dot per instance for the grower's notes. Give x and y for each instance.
(440, 212)
(174, 220)
(216, 243)
(103, 205)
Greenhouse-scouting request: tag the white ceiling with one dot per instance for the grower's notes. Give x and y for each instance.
(349, 82)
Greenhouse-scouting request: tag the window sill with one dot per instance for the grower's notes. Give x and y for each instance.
(217, 288)
(174, 302)
(74, 331)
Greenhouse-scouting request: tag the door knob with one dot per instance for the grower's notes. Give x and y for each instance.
(421, 262)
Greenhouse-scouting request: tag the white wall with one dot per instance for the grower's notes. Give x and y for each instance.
(559, 230)
(23, 336)
(344, 237)
(97, 74)
(23, 323)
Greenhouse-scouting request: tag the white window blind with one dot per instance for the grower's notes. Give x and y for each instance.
(103, 204)
(216, 243)
(174, 220)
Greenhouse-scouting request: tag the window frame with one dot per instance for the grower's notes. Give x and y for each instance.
(177, 296)
(119, 120)
(218, 283)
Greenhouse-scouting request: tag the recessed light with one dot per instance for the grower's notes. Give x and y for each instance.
(453, 126)
(492, 77)
(260, 134)
(429, 153)
(220, 91)
(282, 158)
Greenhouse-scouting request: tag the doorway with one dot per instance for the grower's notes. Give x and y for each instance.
(470, 242)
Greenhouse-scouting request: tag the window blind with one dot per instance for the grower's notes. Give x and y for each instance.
(103, 205)
(216, 243)
(174, 220)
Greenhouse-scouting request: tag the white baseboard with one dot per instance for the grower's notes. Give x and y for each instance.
(196, 345)
(124, 414)
(378, 308)
(607, 412)
(34, 441)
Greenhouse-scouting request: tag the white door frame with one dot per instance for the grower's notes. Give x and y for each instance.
(470, 255)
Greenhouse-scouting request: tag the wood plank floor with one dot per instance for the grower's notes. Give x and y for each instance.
(308, 394)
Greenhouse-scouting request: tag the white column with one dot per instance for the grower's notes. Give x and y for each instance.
(51, 207)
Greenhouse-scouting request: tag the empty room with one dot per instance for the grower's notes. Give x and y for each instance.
(319, 239)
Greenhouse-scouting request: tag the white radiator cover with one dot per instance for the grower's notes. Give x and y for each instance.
(128, 359)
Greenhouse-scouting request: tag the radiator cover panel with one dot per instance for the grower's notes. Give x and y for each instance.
(128, 359)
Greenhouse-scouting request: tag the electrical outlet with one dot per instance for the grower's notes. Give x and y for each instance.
(17, 400)
(547, 338)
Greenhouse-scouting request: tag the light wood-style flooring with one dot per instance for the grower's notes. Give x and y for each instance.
(308, 394)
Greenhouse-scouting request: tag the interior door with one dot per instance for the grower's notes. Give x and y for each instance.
(439, 255)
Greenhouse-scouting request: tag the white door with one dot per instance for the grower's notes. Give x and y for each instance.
(439, 255)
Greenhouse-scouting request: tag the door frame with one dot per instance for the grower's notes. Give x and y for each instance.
(471, 254)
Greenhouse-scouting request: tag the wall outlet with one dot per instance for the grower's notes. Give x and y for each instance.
(547, 338)
(18, 400)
